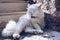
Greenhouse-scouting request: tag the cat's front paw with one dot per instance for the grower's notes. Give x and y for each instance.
(16, 36)
(39, 31)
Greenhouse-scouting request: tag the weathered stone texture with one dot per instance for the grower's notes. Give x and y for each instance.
(53, 21)
(48, 5)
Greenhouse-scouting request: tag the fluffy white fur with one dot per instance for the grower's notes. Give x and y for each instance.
(9, 28)
(21, 24)
(37, 11)
(37, 22)
(13, 28)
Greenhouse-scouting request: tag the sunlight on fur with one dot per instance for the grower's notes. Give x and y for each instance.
(13, 28)
(38, 14)
(9, 28)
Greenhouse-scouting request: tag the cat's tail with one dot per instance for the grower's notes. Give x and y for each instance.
(9, 28)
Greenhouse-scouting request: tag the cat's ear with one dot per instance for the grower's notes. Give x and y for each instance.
(39, 4)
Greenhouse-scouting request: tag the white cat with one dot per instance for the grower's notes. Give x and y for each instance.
(37, 20)
(13, 29)
(34, 16)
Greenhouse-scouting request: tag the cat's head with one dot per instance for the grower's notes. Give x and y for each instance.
(35, 10)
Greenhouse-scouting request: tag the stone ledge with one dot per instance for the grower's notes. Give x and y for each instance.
(12, 7)
(12, 1)
(13, 13)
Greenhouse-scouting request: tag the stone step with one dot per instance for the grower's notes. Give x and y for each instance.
(10, 16)
(11, 1)
(5, 17)
(12, 7)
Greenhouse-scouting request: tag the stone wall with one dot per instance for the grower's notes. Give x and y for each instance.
(53, 21)
(58, 5)
(48, 5)
(12, 7)
(10, 1)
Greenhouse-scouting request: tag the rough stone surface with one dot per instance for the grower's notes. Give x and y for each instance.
(53, 21)
(53, 35)
(48, 5)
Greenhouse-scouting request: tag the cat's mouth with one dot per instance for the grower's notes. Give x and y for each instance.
(34, 17)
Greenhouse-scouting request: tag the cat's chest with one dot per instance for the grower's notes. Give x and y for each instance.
(35, 20)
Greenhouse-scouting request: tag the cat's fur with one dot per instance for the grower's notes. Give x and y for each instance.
(34, 16)
(37, 19)
(13, 29)
(9, 29)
